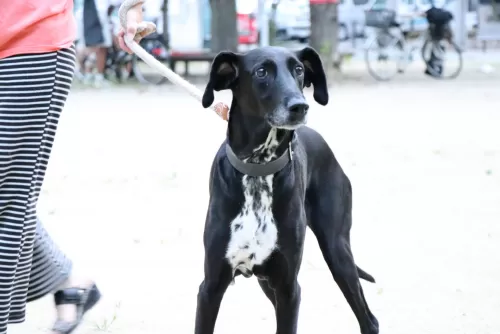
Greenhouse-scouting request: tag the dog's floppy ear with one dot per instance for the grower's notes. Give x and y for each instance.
(223, 73)
(314, 74)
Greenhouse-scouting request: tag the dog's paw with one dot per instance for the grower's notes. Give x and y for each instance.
(372, 328)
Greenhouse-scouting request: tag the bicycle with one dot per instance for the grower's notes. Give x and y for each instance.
(390, 40)
(119, 64)
(156, 46)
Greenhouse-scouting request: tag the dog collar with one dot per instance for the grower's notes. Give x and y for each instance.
(252, 169)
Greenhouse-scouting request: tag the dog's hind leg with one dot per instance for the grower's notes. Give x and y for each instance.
(330, 221)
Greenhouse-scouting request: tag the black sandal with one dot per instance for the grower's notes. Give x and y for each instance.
(84, 299)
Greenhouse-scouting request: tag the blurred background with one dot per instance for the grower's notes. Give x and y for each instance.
(190, 32)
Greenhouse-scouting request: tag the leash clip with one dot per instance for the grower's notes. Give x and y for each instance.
(290, 152)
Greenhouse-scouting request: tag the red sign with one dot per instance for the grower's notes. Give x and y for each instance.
(320, 2)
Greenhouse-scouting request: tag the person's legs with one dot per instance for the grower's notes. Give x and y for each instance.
(101, 54)
(51, 271)
(33, 90)
(102, 48)
(96, 30)
(83, 72)
(81, 55)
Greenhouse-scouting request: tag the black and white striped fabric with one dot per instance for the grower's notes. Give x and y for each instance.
(33, 90)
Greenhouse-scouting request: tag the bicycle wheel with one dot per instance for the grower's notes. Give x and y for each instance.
(384, 56)
(443, 59)
(142, 71)
(123, 66)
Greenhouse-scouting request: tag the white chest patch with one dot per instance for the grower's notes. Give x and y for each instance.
(254, 234)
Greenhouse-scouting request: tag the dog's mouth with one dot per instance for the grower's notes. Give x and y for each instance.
(288, 126)
(281, 118)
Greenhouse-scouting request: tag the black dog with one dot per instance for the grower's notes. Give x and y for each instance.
(270, 179)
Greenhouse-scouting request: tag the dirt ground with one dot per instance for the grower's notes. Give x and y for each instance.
(127, 188)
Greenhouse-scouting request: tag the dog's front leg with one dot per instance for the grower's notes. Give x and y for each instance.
(282, 281)
(287, 307)
(209, 299)
(218, 276)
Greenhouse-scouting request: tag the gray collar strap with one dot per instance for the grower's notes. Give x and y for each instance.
(266, 169)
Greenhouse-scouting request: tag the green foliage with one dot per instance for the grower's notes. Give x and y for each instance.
(325, 48)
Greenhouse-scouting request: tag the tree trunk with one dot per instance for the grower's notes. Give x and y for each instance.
(224, 28)
(324, 33)
(272, 23)
(495, 10)
(166, 36)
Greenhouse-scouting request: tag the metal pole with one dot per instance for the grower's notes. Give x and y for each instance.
(263, 22)
(462, 24)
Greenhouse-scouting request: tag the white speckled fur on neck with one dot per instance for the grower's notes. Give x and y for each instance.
(254, 234)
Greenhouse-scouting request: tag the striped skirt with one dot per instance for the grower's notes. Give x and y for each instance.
(33, 90)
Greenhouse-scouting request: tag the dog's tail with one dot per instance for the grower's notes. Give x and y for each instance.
(364, 275)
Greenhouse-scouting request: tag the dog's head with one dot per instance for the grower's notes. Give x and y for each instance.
(268, 82)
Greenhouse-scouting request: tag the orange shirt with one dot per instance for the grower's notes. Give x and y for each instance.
(35, 26)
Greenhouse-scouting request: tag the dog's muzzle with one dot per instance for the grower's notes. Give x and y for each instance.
(297, 106)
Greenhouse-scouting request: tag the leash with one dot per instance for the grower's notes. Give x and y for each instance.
(220, 108)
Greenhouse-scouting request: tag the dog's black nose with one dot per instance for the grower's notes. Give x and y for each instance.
(298, 106)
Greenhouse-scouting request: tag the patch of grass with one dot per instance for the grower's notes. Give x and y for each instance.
(105, 324)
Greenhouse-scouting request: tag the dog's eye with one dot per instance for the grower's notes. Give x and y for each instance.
(261, 72)
(299, 70)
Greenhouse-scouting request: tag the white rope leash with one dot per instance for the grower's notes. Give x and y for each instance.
(220, 108)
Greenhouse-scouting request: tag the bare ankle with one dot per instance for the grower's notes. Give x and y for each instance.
(74, 281)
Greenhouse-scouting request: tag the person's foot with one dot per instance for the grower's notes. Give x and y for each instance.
(100, 81)
(79, 76)
(87, 78)
(73, 299)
